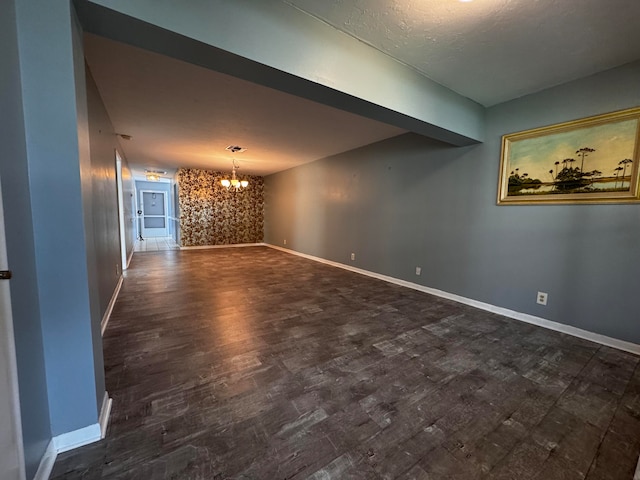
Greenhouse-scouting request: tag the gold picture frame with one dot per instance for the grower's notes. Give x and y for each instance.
(591, 160)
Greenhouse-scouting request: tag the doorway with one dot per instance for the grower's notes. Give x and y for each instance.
(11, 449)
(153, 205)
(119, 187)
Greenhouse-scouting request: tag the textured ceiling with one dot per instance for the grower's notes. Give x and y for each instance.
(492, 50)
(182, 115)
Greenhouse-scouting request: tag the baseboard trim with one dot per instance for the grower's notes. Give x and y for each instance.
(47, 462)
(105, 412)
(233, 245)
(524, 317)
(86, 435)
(130, 257)
(112, 302)
(77, 438)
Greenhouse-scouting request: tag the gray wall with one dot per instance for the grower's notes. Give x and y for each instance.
(55, 119)
(409, 202)
(61, 219)
(20, 249)
(106, 242)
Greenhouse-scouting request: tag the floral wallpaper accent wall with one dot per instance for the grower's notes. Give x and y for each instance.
(211, 215)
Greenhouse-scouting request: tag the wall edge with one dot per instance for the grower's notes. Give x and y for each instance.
(47, 462)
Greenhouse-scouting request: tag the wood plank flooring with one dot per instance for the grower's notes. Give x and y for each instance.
(250, 363)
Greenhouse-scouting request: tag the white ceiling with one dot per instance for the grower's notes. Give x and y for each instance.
(492, 51)
(183, 115)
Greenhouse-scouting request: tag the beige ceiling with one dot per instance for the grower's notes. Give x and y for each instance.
(492, 51)
(183, 115)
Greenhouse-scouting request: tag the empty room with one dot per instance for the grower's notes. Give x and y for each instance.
(320, 240)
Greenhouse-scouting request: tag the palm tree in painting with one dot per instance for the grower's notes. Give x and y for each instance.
(617, 170)
(556, 164)
(551, 173)
(569, 177)
(584, 152)
(571, 162)
(624, 162)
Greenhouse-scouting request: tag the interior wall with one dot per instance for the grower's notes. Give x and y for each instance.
(211, 215)
(410, 201)
(19, 233)
(91, 210)
(56, 133)
(104, 143)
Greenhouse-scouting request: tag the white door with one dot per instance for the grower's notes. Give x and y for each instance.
(153, 205)
(11, 454)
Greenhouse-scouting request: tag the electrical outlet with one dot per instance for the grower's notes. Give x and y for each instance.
(285, 241)
(542, 298)
(418, 270)
(353, 256)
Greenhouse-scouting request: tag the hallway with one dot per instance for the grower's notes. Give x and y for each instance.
(251, 363)
(155, 244)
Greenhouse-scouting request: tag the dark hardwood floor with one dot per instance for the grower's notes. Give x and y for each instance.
(250, 363)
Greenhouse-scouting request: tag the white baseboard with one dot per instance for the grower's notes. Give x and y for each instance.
(233, 245)
(524, 317)
(77, 438)
(46, 463)
(112, 302)
(105, 411)
(130, 257)
(85, 436)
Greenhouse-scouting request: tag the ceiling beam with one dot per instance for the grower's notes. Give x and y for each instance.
(275, 45)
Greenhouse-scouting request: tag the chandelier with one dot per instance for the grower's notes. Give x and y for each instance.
(234, 184)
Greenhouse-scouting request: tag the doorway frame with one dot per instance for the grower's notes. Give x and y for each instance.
(121, 224)
(8, 348)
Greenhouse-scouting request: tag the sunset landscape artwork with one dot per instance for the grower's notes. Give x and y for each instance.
(589, 160)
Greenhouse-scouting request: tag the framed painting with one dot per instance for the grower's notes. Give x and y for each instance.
(592, 160)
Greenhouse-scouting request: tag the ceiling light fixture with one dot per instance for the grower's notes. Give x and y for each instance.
(235, 149)
(234, 184)
(154, 175)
